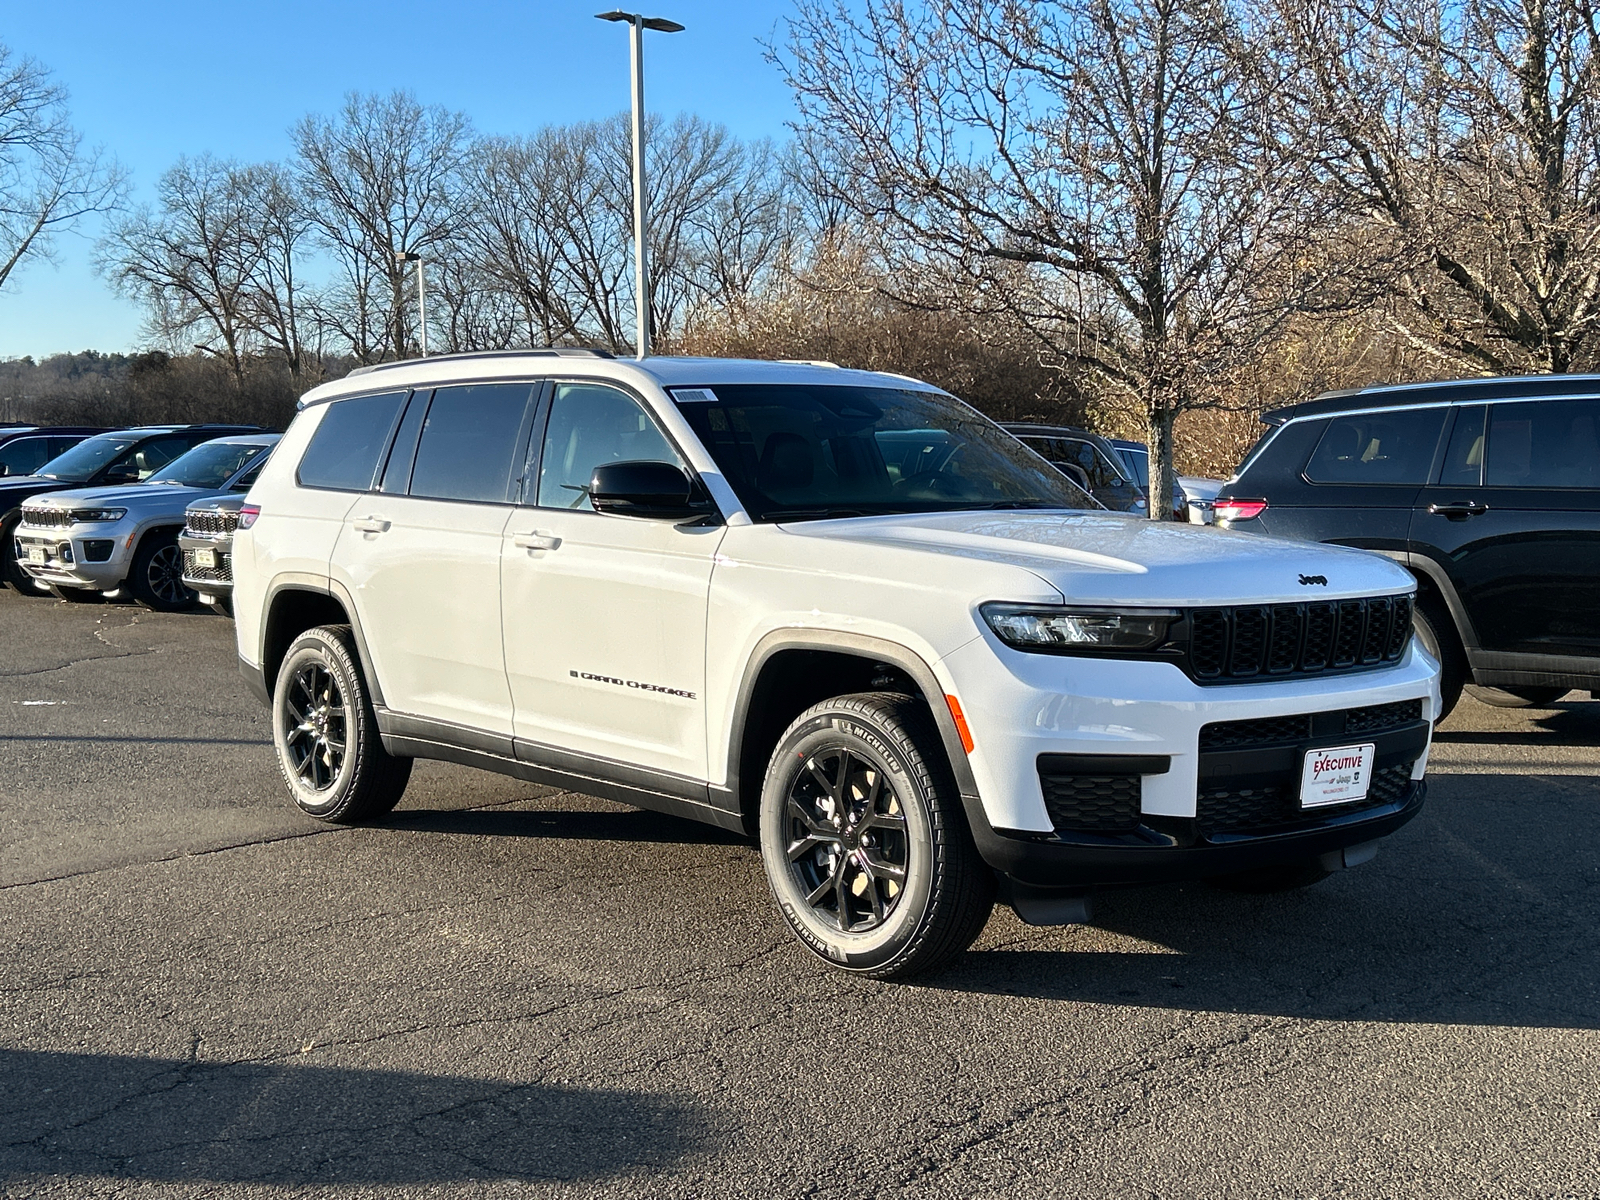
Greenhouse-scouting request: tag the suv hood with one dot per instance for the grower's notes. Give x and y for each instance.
(140, 499)
(1115, 559)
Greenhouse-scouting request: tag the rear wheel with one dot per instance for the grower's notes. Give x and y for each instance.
(326, 734)
(10, 570)
(864, 841)
(1437, 633)
(157, 575)
(1517, 697)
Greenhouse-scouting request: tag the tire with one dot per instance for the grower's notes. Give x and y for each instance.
(1437, 632)
(326, 735)
(1265, 881)
(1517, 697)
(156, 577)
(860, 785)
(10, 570)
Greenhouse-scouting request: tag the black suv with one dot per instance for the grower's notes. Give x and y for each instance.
(127, 456)
(26, 448)
(1487, 489)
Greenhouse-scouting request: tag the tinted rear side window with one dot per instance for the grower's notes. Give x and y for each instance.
(1382, 447)
(344, 450)
(469, 442)
(1552, 444)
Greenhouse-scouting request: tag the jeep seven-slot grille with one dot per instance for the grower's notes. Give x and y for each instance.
(211, 520)
(47, 518)
(1256, 641)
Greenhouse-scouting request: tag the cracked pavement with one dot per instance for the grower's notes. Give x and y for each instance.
(505, 990)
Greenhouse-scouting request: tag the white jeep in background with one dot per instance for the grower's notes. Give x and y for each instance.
(838, 611)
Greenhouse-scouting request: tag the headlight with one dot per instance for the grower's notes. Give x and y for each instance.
(1072, 628)
(92, 515)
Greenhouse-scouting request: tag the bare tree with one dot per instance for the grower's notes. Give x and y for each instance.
(381, 178)
(1471, 135)
(48, 180)
(276, 228)
(1100, 172)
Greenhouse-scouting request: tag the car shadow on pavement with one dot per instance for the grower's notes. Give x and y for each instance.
(622, 825)
(1561, 725)
(1481, 912)
(135, 1118)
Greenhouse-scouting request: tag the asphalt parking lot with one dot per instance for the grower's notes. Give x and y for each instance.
(510, 991)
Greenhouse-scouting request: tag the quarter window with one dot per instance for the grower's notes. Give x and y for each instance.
(344, 450)
(591, 424)
(1549, 444)
(469, 442)
(1381, 447)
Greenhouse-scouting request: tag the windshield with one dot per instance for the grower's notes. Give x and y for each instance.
(798, 451)
(83, 460)
(207, 466)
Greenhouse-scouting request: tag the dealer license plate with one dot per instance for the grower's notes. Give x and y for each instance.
(1336, 775)
(205, 558)
(37, 554)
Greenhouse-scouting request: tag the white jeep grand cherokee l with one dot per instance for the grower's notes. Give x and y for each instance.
(839, 611)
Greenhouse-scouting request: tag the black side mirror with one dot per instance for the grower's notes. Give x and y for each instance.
(658, 490)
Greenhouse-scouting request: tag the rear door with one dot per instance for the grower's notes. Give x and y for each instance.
(1513, 520)
(422, 555)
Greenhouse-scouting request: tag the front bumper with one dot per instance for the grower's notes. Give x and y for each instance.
(215, 580)
(81, 556)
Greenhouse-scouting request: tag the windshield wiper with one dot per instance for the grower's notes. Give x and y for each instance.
(811, 514)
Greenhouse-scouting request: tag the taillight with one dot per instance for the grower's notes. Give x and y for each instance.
(248, 515)
(1238, 510)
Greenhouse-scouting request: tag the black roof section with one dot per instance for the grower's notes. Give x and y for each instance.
(1445, 391)
(1033, 427)
(549, 352)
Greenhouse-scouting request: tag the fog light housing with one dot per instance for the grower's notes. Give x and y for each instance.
(97, 550)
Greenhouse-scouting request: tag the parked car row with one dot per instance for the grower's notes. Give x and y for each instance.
(1115, 471)
(102, 518)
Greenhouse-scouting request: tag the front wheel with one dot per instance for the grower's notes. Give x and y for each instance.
(864, 842)
(326, 734)
(1437, 633)
(157, 574)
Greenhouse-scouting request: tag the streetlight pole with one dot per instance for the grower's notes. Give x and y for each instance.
(637, 24)
(422, 297)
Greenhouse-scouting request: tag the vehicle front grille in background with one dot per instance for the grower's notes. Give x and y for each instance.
(211, 520)
(47, 518)
(221, 573)
(1253, 809)
(1270, 731)
(1092, 803)
(1256, 641)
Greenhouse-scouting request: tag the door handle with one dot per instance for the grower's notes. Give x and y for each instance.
(536, 541)
(1459, 510)
(370, 525)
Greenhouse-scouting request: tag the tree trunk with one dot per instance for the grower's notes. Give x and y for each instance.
(1159, 419)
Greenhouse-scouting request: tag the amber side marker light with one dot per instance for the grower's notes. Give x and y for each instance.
(961, 722)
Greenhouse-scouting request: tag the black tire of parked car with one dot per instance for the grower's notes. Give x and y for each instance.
(326, 734)
(156, 577)
(10, 570)
(1517, 697)
(1437, 632)
(859, 795)
(1263, 881)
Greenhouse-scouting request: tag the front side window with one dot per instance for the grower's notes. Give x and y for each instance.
(84, 460)
(1547, 444)
(210, 465)
(469, 441)
(1377, 448)
(343, 453)
(591, 424)
(143, 461)
(798, 451)
(1463, 458)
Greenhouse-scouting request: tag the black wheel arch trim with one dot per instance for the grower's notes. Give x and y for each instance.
(861, 646)
(320, 585)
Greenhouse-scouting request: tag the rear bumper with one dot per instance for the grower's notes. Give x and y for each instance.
(1168, 849)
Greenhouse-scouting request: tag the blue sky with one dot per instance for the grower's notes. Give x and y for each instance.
(156, 79)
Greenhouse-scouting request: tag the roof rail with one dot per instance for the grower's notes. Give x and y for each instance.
(546, 352)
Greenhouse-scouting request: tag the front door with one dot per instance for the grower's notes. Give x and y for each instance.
(605, 616)
(1514, 522)
(422, 557)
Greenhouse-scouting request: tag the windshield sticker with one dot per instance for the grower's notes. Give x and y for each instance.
(694, 395)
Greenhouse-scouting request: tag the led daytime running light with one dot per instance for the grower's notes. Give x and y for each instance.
(1075, 628)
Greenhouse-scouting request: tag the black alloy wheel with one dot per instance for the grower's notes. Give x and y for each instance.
(315, 730)
(848, 850)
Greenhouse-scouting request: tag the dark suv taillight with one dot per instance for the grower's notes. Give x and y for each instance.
(1238, 510)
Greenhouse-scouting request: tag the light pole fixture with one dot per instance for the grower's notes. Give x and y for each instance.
(404, 256)
(641, 266)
